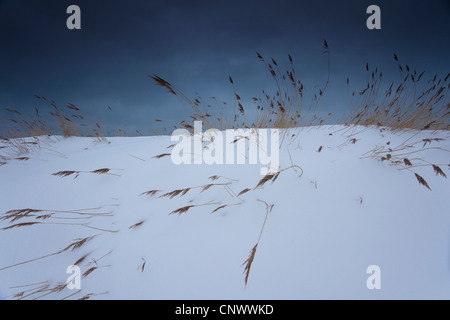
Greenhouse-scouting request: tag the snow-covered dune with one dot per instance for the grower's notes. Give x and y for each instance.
(346, 201)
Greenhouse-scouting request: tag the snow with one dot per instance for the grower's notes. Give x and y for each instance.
(328, 225)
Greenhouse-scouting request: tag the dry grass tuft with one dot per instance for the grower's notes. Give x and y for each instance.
(163, 83)
(136, 225)
(65, 173)
(422, 181)
(79, 243)
(206, 187)
(218, 208)
(412, 103)
(75, 245)
(438, 171)
(248, 263)
(407, 162)
(18, 225)
(89, 295)
(101, 171)
(174, 193)
(282, 109)
(141, 267)
(80, 260)
(244, 191)
(398, 156)
(150, 193)
(17, 214)
(181, 192)
(162, 155)
(274, 176)
(265, 179)
(182, 210)
(428, 140)
(44, 216)
(185, 209)
(89, 271)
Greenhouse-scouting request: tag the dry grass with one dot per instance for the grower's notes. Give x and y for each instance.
(185, 209)
(78, 243)
(141, 267)
(401, 156)
(182, 210)
(80, 260)
(36, 291)
(89, 271)
(31, 217)
(422, 181)
(413, 103)
(136, 225)
(162, 155)
(410, 103)
(274, 176)
(18, 225)
(248, 263)
(218, 208)
(266, 178)
(283, 109)
(23, 158)
(181, 192)
(67, 173)
(244, 191)
(16, 214)
(73, 246)
(23, 134)
(150, 193)
(89, 295)
(44, 289)
(438, 171)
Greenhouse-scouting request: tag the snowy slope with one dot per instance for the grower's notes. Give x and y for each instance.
(343, 213)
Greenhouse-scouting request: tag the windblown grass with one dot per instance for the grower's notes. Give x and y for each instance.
(402, 156)
(414, 103)
(23, 133)
(411, 103)
(67, 173)
(248, 263)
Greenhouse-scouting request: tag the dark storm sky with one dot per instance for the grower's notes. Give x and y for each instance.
(195, 45)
